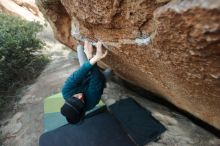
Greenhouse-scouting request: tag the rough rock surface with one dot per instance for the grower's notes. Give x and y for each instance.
(171, 48)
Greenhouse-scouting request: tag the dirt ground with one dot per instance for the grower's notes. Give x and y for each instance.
(25, 125)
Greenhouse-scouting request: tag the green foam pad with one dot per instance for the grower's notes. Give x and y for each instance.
(52, 116)
(53, 103)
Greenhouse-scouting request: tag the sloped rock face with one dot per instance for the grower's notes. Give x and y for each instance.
(171, 48)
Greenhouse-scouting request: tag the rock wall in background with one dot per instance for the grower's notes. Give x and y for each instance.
(25, 9)
(171, 48)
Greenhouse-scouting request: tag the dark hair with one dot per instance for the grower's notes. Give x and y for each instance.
(73, 109)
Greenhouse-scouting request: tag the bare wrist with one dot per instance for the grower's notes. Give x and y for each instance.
(93, 60)
(89, 57)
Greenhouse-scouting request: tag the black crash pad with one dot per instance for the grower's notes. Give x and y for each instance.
(138, 123)
(127, 124)
(99, 130)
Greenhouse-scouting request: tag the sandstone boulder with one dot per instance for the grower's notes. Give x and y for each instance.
(171, 48)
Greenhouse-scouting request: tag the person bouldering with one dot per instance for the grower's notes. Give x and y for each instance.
(83, 89)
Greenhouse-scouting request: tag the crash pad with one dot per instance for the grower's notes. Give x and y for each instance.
(53, 103)
(137, 122)
(124, 123)
(98, 130)
(52, 116)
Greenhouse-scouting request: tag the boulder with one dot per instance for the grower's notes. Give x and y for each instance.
(171, 48)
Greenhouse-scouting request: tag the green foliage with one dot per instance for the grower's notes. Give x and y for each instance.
(20, 53)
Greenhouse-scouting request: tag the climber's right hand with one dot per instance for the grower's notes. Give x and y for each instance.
(99, 53)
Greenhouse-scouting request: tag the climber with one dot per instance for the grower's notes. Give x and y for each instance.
(83, 89)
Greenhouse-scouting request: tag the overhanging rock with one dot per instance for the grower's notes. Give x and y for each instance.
(171, 48)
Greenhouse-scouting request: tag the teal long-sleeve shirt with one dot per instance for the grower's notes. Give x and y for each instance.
(89, 80)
